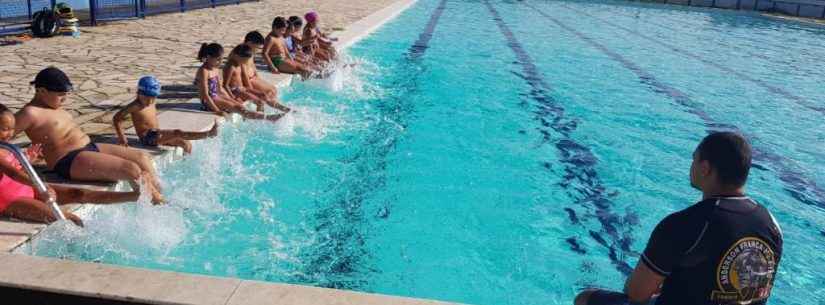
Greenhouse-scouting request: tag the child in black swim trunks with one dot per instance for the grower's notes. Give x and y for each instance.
(68, 150)
(145, 119)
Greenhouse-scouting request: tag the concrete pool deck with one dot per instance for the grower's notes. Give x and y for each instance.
(43, 278)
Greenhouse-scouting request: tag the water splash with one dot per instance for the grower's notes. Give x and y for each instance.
(349, 77)
(307, 121)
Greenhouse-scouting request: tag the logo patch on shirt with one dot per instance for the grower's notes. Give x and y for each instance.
(745, 273)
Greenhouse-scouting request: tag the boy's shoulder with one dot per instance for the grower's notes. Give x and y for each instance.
(30, 110)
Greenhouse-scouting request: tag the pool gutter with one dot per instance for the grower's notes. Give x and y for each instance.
(31, 279)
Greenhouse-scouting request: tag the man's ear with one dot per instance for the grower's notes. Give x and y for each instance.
(705, 168)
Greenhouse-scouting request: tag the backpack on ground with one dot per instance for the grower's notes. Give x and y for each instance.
(45, 23)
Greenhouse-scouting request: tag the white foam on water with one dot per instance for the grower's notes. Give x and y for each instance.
(132, 230)
(348, 77)
(308, 121)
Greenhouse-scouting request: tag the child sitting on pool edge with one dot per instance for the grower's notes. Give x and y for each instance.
(20, 200)
(68, 150)
(144, 115)
(255, 41)
(236, 79)
(213, 96)
(276, 54)
(317, 42)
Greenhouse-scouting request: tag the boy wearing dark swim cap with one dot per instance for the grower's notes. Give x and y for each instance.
(68, 150)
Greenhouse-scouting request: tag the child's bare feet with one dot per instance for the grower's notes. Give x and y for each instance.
(274, 117)
(73, 218)
(154, 190)
(157, 198)
(214, 131)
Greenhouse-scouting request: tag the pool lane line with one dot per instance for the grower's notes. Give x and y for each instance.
(338, 250)
(770, 88)
(745, 51)
(420, 46)
(580, 173)
(672, 29)
(796, 183)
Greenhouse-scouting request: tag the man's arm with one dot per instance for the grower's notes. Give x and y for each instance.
(643, 283)
(120, 116)
(664, 249)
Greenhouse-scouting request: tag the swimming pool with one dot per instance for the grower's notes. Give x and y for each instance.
(493, 152)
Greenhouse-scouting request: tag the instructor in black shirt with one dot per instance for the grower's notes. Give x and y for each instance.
(724, 249)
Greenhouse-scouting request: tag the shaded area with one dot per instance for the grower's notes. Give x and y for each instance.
(35, 297)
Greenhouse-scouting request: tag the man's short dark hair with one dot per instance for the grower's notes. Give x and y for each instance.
(729, 154)
(254, 37)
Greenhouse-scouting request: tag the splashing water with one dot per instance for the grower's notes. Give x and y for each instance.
(347, 78)
(308, 121)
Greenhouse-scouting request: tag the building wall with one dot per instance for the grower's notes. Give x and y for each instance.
(800, 8)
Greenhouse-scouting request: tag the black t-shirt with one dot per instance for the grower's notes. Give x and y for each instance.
(722, 250)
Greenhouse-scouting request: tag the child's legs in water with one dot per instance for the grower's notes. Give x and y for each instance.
(132, 157)
(67, 195)
(225, 103)
(177, 142)
(178, 138)
(35, 210)
(259, 86)
(248, 96)
(294, 67)
(270, 100)
(169, 135)
(322, 55)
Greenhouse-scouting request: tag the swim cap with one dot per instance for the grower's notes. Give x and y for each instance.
(311, 17)
(149, 86)
(53, 80)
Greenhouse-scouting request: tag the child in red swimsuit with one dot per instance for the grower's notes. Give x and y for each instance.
(18, 198)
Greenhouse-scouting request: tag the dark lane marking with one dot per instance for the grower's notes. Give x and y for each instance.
(771, 88)
(420, 46)
(797, 184)
(722, 43)
(580, 178)
(336, 256)
(575, 246)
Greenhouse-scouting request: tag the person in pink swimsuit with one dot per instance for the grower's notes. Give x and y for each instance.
(18, 199)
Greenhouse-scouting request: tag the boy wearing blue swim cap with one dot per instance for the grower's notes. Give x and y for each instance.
(144, 115)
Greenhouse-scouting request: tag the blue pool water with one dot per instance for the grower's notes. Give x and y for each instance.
(494, 153)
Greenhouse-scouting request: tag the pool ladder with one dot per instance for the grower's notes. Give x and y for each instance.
(38, 183)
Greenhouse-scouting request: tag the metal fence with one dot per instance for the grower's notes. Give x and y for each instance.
(13, 13)
(101, 10)
(19, 11)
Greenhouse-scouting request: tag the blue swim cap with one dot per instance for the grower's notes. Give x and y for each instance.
(149, 86)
